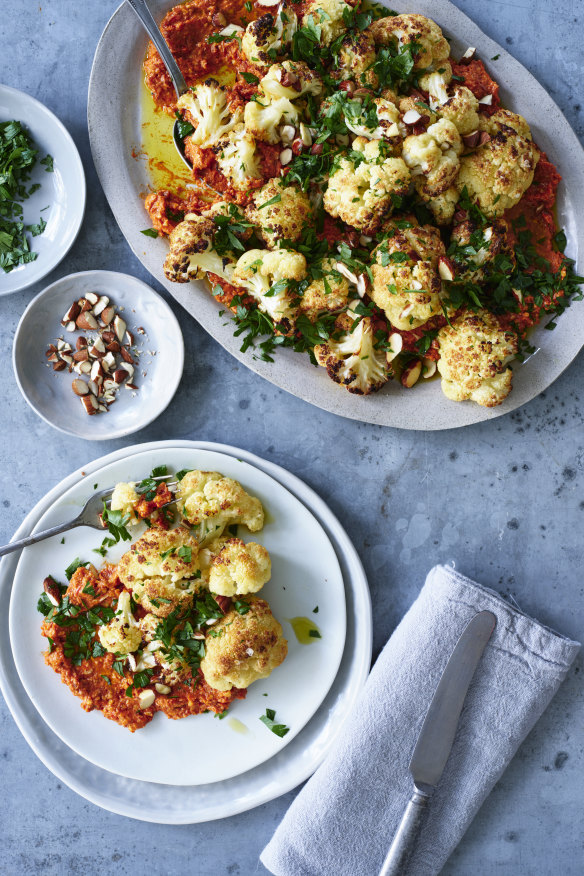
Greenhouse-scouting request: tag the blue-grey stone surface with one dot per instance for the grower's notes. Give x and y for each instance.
(504, 500)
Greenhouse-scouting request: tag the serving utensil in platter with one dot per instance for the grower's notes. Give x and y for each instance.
(437, 736)
(141, 9)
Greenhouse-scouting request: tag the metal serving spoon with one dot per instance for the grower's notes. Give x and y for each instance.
(180, 86)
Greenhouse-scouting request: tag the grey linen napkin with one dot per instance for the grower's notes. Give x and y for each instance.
(342, 822)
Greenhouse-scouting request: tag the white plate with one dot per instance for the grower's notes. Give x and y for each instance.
(114, 116)
(49, 393)
(196, 749)
(63, 191)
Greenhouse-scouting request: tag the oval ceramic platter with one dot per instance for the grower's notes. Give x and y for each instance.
(197, 749)
(115, 128)
(60, 200)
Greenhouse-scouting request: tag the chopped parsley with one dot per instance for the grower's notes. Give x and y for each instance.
(269, 720)
(72, 568)
(149, 232)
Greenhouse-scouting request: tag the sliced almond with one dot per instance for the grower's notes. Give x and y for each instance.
(80, 343)
(92, 298)
(406, 311)
(446, 268)
(93, 387)
(108, 336)
(396, 343)
(129, 338)
(487, 100)
(469, 54)
(67, 358)
(133, 386)
(305, 135)
(361, 285)
(81, 355)
(146, 698)
(119, 328)
(411, 373)
(429, 368)
(79, 387)
(59, 366)
(107, 314)
(108, 362)
(349, 275)
(71, 314)
(85, 367)
(100, 306)
(84, 304)
(127, 367)
(286, 156)
(120, 375)
(411, 117)
(53, 357)
(471, 140)
(71, 326)
(343, 139)
(86, 321)
(125, 354)
(90, 404)
(96, 372)
(114, 347)
(132, 662)
(287, 134)
(102, 409)
(162, 688)
(109, 384)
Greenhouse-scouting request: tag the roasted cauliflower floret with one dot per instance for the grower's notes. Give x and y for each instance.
(124, 499)
(121, 635)
(269, 35)
(462, 110)
(474, 355)
(269, 277)
(374, 120)
(360, 193)
(436, 83)
(264, 116)
(327, 294)
(417, 242)
(191, 252)
(243, 647)
(433, 158)
(356, 57)
(290, 79)
(327, 17)
(239, 568)
(210, 502)
(429, 46)
(206, 106)
(477, 248)
(406, 287)
(169, 668)
(501, 170)
(237, 158)
(444, 205)
(283, 218)
(352, 359)
(161, 570)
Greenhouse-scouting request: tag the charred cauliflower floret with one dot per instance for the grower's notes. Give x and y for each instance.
(436, 83)
(501, 170)
(210, 502)
(269, 35)
(161, 570)
(121, 635)
(356, 57)
(239, 568)
(168, 668)
(474, 355)
(290, 79)
(280, 212)
(417, 242)
(237, 158)
(327, 294)
(360, 192)
(269, 277)
(191, 252)
(429, 46)
(374, 120)
(124, 499)
(406, 289)
(477, 248)
(351, 359)
(328, 18)
(444, 205)
(264, 116)
(206, 107)
(244, 647)
(462, 110)
(433, 158)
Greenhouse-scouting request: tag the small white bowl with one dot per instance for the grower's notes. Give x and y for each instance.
(60, 201)
(49, 392)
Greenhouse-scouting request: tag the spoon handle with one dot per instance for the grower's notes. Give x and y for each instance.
(142, 11)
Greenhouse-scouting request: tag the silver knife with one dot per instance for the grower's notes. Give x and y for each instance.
(437, 735)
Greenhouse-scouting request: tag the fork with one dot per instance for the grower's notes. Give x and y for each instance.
(90, 516)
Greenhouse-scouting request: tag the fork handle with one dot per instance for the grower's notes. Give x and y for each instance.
(38, 536)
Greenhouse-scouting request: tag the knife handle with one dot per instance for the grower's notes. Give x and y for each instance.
(405, 836)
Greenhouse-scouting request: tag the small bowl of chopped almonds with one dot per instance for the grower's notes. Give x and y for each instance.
(98, 355)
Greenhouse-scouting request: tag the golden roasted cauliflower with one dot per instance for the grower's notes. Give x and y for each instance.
(356, 57)
(405, 285)
(360, 192)
(327, 17)
(290, 79)
(433, 158)
(161, 570)
(478, 247)
(243, 647)
(429, 46)
(239, 568)
(475, 352)
(269, 35)
(461, 109)
(269, 277)
(124, 499)
(121, 635)
(237, 158)
(206, 107)
(279, 211)
(210, 502)
(170, 669)
(502, 169)
(351, 359)
(191, 252)
(327, 294)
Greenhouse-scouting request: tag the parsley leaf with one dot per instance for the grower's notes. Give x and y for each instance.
(269, 720)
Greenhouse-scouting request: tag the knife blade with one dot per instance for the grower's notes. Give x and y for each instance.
(437, 735)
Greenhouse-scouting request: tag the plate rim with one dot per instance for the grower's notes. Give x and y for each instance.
(72, 771)
(443, 415)
(83, 201)
(122, 432)
(53, 724)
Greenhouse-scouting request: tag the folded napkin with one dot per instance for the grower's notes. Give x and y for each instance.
(343, 821)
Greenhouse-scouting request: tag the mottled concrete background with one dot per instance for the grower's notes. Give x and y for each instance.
(503, 500)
